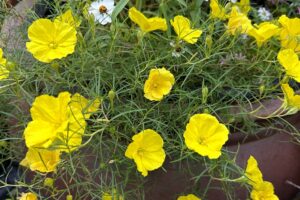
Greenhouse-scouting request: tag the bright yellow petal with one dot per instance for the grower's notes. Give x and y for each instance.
(253, 173)
(289, 60)
(263, 32)
(238, 22)
(147, 24)
(217, 10)
(244, 6)
(152, 160)
(4, 73)
(2, 59)
(157, 23)
(41, 160)
(87, 107)
(39, 134)
(151, 140)
(41, 31)
(290, 99)
(28, 196)
(67, 17)
(138, 18)
(264, 191)
(182, 27)
(290, 32)
(72, 136)
(188, 197)
(50, 109)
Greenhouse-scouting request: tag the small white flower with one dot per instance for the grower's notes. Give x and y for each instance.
(233, 1)
(102, 10)
(264, 14)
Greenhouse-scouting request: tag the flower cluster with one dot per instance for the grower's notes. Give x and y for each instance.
(59, 123)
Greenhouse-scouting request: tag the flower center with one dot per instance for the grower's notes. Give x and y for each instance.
(155, 85)
(102, 9)
(201, 140)
(140, 152)
(53, 45)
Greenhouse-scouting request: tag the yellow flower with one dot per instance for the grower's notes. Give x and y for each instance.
(263, 32)
(54, 123)
(147, 24)
(253, 173)
(188, 197)
(291, 99)
(81, 103)
(147, 151)
(261, 190)
(205, 135)
(244, 6)
(217, 10)
(290, 33)
(182, 27)
(51, 40)
(41, 160)
(238, 22)
(4, 73)
(290, 62)
(158, 84)
(68, 18)
(28, 196)
(264, 191)
(113, 196)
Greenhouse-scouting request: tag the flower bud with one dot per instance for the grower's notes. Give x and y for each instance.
(69, 197)
(211, 28)
(48, 182)
(111, 96)
(261, 89)
(208, 41)
(204, 94)
(206, 111)
(10, 65)
(55, 66)
(3, 144)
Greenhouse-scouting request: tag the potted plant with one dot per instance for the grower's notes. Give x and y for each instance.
(153, 100)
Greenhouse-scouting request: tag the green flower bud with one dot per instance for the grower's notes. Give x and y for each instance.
(49, 182)
(208, 41)
(261, 89)
(204, 94)
(10, 65)
(3, 144)
(69, 197)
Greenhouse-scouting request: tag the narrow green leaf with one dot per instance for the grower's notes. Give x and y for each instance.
(182, 2)
(119, 7)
